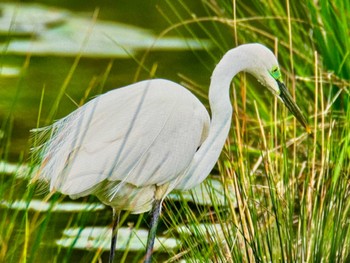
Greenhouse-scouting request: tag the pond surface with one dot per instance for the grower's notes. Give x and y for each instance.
(66, 46)
(39, 57)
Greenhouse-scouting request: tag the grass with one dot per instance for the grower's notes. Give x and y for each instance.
(292, 190)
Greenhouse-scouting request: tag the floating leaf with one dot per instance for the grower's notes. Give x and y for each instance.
(67, 34)
(42, 206)
(99, 238)
(28, 19)
(9, 71)
(203, 193)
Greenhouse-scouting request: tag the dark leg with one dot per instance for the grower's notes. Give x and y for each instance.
(153, 229)
(116, 216)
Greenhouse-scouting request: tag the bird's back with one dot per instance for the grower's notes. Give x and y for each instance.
(141, 135)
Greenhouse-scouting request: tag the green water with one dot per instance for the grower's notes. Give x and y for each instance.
(20, 96)
(44, 75)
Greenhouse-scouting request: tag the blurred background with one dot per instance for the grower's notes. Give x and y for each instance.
(275, 195)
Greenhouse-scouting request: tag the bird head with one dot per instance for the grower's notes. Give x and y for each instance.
(266, 70)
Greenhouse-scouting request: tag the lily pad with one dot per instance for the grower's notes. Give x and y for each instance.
(28, 19)
(93, 238)
(9, 71)
(19, 170)
(42, 206)
(67, 34)
(204, 193)
(212, 231)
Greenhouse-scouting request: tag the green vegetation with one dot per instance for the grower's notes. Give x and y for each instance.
(291, 190)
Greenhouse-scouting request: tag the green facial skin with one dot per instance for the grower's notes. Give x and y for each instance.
(276, 74)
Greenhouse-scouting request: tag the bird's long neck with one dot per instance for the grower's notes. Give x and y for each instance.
(221, 109)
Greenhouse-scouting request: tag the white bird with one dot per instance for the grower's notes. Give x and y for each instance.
(133, 145)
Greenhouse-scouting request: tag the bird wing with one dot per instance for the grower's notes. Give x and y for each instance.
(143, 134)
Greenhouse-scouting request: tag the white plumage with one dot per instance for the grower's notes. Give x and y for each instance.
(128, 135)
(133, 145)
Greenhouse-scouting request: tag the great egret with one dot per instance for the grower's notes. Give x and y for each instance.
(131, 146)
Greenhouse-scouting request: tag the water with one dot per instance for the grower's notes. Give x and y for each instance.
(43, 230)
(20, 95)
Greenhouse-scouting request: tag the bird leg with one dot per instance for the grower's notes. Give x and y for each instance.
(153, 229)
(116, 216)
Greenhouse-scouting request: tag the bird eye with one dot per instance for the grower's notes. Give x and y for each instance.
(276, 73)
